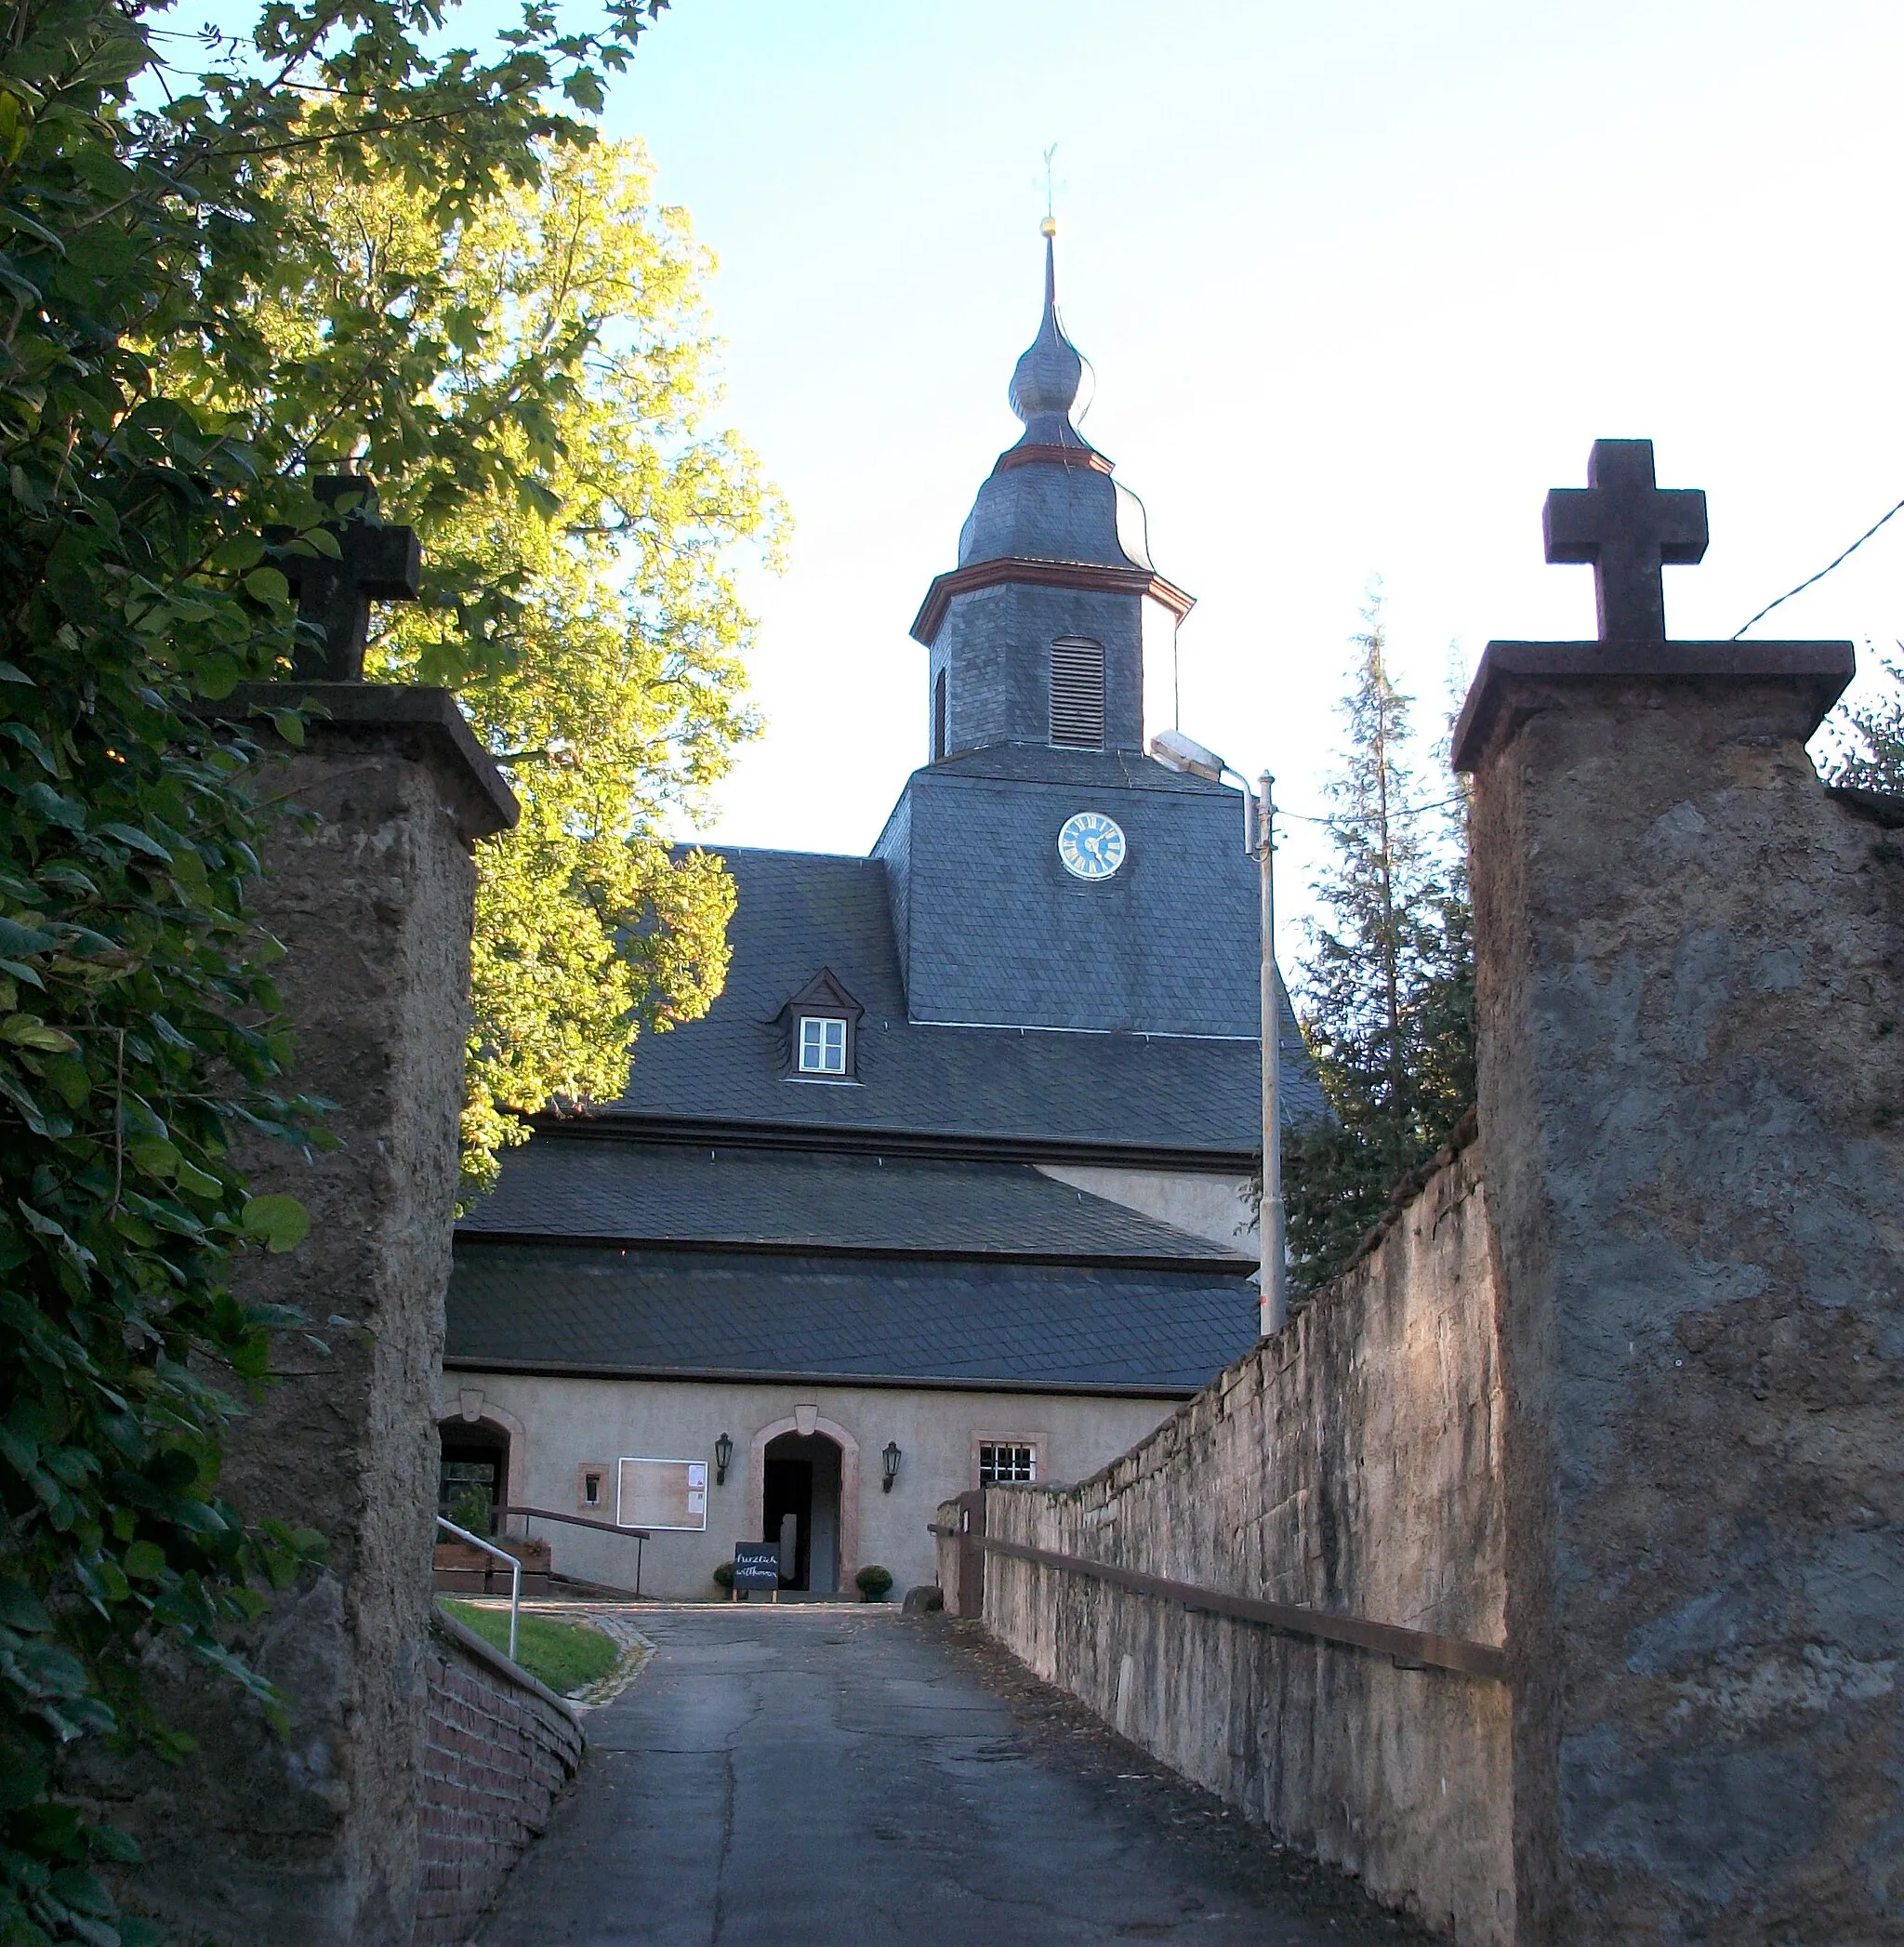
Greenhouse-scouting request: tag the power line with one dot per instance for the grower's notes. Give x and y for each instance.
(1404, 811)
(1821, 573)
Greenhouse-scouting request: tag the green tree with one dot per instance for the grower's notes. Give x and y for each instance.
(1866, 735)
(1385, 994)
(530, 388)
(140, 1039)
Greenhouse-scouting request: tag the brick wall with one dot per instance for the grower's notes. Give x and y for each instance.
(501, 1750)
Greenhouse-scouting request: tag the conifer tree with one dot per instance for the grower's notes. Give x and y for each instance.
(1386, 995)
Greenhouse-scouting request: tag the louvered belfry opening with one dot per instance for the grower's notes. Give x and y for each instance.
(1078, 693)
(939, 716)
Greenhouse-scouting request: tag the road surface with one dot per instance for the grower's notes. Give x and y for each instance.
(804, 1776)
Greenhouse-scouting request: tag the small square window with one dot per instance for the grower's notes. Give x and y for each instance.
(822, 1045)
(999, 1465)
(592, 1487)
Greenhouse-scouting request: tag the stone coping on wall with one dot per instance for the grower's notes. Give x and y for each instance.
(1821, 668)
(406, 713)
(1411, 1185)
(1400, 1201)
(472, 1646)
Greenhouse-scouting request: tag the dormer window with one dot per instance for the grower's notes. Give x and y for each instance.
(822, 1045)
(819, 1029)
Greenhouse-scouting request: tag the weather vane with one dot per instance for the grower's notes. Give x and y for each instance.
(1049, 226)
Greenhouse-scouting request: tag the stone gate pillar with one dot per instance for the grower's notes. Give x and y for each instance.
(1691, 995)
(312, 1840)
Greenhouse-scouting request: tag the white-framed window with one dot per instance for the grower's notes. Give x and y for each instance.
(1002, 1462)
(822, 1045)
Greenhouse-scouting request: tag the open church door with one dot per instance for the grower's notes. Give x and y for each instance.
(801, 1510)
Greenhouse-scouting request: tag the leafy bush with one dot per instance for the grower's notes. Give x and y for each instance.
(470, 1512)
(724, 1574)
(873, 1582)
(140, 1042)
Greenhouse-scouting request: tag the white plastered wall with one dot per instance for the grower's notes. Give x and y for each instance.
(1220, 1208)
(568, 1422)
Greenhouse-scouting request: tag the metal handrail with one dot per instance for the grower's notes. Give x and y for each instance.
(502, 1554)
(549, 1514)
(637, 1535)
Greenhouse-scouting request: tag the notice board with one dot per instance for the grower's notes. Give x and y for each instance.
(662, 1493)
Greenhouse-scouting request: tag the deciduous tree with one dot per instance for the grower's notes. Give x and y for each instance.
(531, 389)
(139, 1038)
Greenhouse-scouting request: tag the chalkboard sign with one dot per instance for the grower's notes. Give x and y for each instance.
(757, 1564)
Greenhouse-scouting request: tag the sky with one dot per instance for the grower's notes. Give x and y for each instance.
(1358, 281)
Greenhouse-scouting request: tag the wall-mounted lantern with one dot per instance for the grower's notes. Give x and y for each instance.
(891, 1458)
(723, 1456)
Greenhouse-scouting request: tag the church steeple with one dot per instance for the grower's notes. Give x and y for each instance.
(1046, 379)
(1054, 581)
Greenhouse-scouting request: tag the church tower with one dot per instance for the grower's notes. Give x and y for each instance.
(1049, 629)
(952, 1184)
(1044, 872)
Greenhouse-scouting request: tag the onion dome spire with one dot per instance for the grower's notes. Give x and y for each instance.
(1046, 380)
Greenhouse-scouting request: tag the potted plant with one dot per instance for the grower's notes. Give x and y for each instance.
(873, 1582)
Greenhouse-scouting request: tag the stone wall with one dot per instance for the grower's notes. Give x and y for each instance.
(500, 1750)
(1632, 1415)
(308, 1837)
(1691, 988)
(1351, 1464)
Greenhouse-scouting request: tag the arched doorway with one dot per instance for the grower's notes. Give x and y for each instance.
(801, 1478)
(472, 1477)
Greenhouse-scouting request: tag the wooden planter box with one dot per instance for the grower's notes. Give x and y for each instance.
(459, 1569)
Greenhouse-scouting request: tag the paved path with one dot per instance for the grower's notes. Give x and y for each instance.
(802, 1777)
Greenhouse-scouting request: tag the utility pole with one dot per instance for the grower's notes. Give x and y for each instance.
(1274, 1299)
(1183, 753)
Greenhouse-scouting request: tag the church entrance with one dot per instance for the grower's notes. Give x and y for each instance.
(473, 1476)
(801, 1510)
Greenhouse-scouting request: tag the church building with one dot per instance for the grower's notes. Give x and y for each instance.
(955, 1181)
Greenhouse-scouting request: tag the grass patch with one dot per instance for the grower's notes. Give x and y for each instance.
(565, 1656)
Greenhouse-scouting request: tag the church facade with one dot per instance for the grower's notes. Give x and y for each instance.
(954, 1182)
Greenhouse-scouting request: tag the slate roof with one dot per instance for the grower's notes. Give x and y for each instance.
(801, 911)
(653, 1313)
(566, 1186)
(1047, 511)
(1058, 508)
(998, 931)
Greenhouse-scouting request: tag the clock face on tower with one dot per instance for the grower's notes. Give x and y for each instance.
(1090, 845)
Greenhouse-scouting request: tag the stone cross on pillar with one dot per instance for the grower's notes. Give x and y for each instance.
(1627, 527)
(1687, 956)
(375, 563)
(313, 1835)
